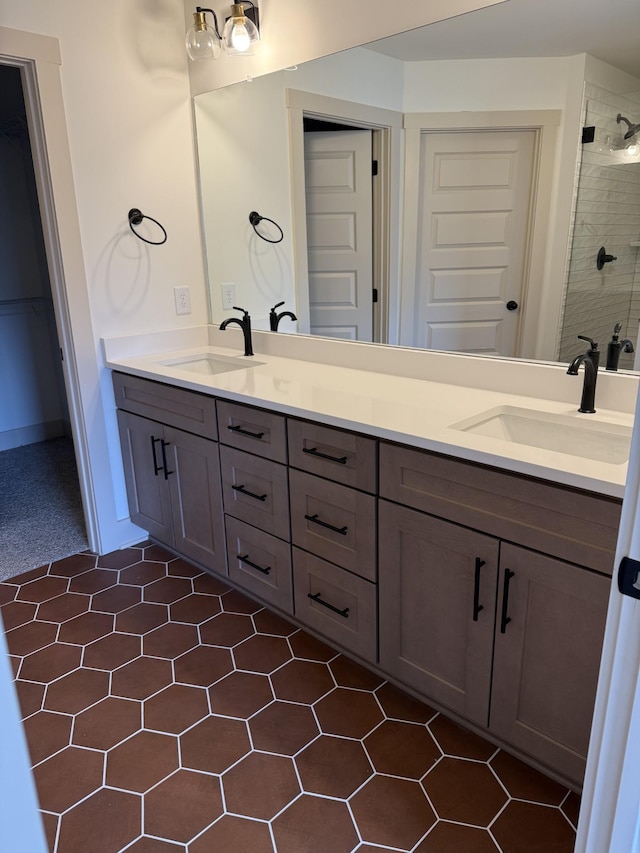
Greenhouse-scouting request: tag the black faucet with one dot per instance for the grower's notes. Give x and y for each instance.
(590, 359)
(245, 325)
(275, 318)
(615, 347)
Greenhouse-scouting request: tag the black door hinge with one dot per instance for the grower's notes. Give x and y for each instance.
(375, 294)
(629, 577)
(374, 168)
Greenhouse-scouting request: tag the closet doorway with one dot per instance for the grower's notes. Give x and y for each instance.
(41, 515)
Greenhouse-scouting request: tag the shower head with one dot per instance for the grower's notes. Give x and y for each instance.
(633, 128)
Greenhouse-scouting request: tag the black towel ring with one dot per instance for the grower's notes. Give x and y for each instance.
(256, 219)
(135, 218)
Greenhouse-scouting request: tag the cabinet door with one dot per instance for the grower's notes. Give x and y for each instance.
(437, 592)
(196, 498)
(547, 657)
(147, 492)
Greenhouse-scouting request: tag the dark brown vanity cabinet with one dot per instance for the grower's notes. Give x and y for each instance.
(505, 636)
(172, 476)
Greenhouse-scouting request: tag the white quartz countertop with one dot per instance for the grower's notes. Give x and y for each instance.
(417, 412)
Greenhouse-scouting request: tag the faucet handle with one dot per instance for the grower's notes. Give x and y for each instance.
(594, 344)
(245, 313)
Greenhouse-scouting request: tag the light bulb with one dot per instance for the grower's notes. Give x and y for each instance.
(240, 38)
(240, 33)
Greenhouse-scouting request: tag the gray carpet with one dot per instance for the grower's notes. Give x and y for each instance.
(41, 518)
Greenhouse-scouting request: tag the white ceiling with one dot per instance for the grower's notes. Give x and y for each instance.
(607, 29)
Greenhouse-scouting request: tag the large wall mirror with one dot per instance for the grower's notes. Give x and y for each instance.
(481, 229)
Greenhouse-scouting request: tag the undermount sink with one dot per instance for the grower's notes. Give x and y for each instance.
(209, 364)
(589, 439)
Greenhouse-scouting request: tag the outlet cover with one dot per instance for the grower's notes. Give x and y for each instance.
(228, 294)
(182, 296)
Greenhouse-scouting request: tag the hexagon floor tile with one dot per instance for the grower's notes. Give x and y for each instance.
(166, 712)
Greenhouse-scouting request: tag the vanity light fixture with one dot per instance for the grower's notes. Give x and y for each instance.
(203, 41)
(238, 37)
(241, 31)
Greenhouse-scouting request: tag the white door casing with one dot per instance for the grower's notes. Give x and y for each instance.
(339, 233)
(462, 243)
(475, 191)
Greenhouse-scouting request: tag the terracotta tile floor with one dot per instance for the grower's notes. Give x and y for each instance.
(166, 712)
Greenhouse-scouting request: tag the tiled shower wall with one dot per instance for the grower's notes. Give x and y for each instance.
(606, 213)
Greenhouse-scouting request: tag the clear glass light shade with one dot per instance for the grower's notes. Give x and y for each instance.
(240, 35)
(202, 44)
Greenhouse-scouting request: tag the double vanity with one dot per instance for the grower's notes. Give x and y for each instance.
(458, 538)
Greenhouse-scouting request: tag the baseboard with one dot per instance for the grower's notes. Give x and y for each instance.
(11, 438)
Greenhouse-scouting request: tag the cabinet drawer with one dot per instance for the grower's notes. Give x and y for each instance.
(253, 430)
(255, 490)
(167, 404)
(334, 522)
(577, 526)
(336, 454)
(337, 604)
(260, 563)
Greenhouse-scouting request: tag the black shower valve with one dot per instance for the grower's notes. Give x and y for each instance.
(603, 258)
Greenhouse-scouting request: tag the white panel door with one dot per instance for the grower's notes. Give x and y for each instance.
(339, 233)
(475, 194)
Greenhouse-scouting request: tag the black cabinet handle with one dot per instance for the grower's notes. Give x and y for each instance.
(504, 621)
(164, 444)
(313, 451)
(244, 559)
(249, 494)
(246, 432)
(341, 530)
(344, 613)
(477, 607)
(156, 468)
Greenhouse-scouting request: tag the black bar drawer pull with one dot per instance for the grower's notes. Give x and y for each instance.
(246, 432)
(313, 451)
(504, 621)
(341, 530)
(344, 613)
(477, 607)
(156, 468)
(249, 494)
(164, 444)
(244, 559)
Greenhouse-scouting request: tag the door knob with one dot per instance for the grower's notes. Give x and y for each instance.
(603, 258)
(512, 305)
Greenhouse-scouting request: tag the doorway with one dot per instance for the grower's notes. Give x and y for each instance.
(383, 129)
(339, 210)
(41, 515)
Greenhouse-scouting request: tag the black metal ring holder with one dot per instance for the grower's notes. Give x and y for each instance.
(135, 218)
(255, 219)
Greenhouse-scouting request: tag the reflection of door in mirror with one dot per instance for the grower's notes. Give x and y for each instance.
(472, 237)
(339, 215)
